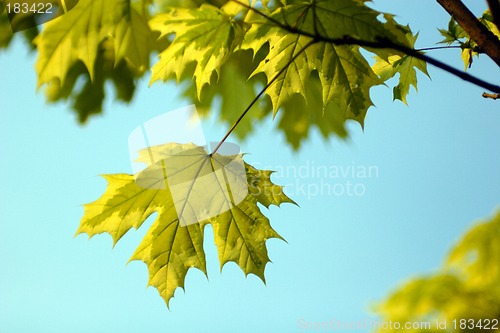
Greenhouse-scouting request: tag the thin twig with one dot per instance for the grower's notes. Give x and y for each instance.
(384, 43)
(492, 96)
(439, 48)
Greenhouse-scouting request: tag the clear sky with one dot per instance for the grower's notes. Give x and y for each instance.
(435, 170)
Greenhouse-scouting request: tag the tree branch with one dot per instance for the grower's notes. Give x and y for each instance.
(384, 43)
(432, 48)
(486, 40)
(492, 96)
(495, 11)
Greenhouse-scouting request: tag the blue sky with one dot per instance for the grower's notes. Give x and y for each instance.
(437, 173)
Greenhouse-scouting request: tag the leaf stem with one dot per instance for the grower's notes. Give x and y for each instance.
(256, 98)
(439, 48)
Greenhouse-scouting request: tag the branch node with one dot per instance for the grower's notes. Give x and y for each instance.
(492, 96)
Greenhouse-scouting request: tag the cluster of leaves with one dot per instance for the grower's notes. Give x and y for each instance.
(295, 50)
(456, 36)
(96, 41)
(307, 56)
(227, 51)
(171, 247)
(467, 288)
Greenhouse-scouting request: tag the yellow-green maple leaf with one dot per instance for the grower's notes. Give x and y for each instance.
(455, 34)
(77, 35)
(170, 248)
(477, 255)
(345, 75)
(205, 36)
(403, 64)
(298, 118)
(466, 288)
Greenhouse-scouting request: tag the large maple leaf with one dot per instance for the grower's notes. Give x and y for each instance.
(301, 41)
(94, 43)
(77, 35)
(205, 36)
(189, 189)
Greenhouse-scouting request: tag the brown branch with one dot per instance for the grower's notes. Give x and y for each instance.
(486, 40)
(492, 96)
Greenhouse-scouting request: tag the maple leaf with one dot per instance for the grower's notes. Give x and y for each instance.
(233, 77)
(477, 255)
(96, 40)
(205, 36)
(298, 118)
(76, 36)
(404, 65)
(89, 98)
(466, 287)
(453, 34)
(345, 75)
(189, 189)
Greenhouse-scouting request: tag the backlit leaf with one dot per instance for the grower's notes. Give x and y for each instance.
(76, 36)
(205, 36)
(345, 75)
(188, 189)
(405, 66)
(101, 35)
(466, 288)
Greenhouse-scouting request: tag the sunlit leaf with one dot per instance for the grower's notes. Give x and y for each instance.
(345, 75)
(205, 36)
(467, 288)
(101, 35)
(403, 65)
(188, 189)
